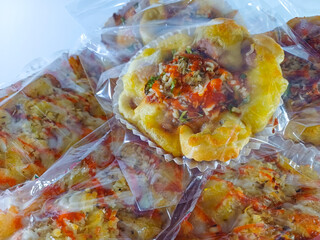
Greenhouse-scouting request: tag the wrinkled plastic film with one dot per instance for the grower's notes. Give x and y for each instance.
(266, 21)
(143, 67)
(124, 33)
(91, 194)
(113, 185)
(44, 117)
(136, 25)
(24, 193)
(92, 15)
(298, 38)
(265, 194)
(154, 182)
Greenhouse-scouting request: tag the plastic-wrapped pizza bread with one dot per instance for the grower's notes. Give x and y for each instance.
(302, 99)
(140, 22)
(180, 13)
(257, 200)
(202, 95)
(97, 208)
(154, 182)
(91, 201)
(43, 119)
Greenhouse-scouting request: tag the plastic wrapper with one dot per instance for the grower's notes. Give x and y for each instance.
(95, 59)
(119, 184)
(43, 118)
(7, 88)
(137, 23)
(154, 182)
(166, 90)
(263, 198)
(85, 194)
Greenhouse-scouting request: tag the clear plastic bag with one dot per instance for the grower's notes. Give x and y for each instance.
(106, 89)
(137, 22)
(257, 16)
(85, 194)
(301, 68)
(45, 116)
(95, 58)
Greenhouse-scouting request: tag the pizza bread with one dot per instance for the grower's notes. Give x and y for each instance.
(44, 119)
(302, 97)
(203, 95)
(260, 199)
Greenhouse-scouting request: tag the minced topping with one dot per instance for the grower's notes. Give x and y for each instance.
(257, 200)
(194, 86)
(309, 32)
(304, 87)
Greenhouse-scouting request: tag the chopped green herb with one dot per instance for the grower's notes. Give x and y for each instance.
(150, 84)
(243, 76)
(189, 50)
(174, 51)
(246, 100)
(199, 115)
(183, 117)
(173, 84)
(123, 20)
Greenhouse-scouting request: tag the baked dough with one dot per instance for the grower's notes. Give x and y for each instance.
(203, 96)
(152, 20)
(302, 97)
(91, 201)
(44, 119)
(257, 200)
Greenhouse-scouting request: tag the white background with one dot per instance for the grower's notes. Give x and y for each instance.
(31, 29)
